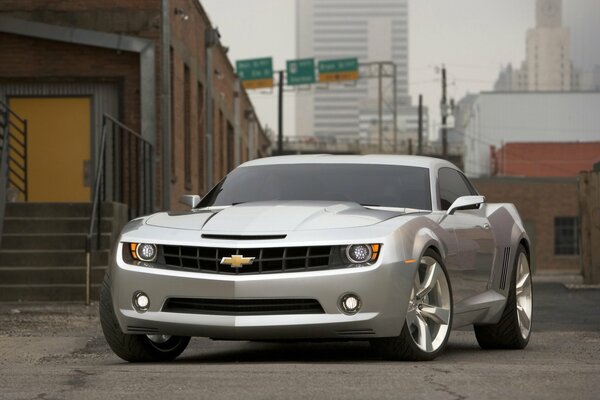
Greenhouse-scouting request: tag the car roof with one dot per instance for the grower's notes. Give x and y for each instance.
(382, 159)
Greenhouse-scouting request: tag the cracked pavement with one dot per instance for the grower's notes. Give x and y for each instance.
(57, 351)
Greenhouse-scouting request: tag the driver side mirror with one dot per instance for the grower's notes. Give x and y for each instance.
(464, 203)
(191, 200)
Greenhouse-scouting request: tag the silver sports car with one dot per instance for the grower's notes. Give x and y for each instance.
(396, 250)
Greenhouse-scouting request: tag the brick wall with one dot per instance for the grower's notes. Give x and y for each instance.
(546, 159)
(27, 59)
(45, 60)
(539, 201)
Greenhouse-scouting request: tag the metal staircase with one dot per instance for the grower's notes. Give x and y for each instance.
(60, 251)
(13, 159)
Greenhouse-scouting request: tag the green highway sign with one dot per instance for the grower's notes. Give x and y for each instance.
(256, 73)
(301, 72)
(343, 69)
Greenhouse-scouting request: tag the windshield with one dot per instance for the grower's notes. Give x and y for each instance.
(368, 185)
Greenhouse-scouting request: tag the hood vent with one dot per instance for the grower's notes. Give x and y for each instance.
(242, 237)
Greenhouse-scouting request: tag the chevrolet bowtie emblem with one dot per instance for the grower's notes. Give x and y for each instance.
(237, 261)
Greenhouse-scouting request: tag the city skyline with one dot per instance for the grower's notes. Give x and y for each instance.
(457, 35)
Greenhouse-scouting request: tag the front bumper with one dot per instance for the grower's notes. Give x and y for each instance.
(384, 289)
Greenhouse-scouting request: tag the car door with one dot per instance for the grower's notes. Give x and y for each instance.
(475, 238)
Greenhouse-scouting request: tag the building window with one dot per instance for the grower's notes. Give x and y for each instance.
(187, 129)
(221, 152)
(566, 236)
(201, 137)
(230, 147)
(173, 117)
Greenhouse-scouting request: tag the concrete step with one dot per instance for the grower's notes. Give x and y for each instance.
(50, 258)
(49, 210)
(63, 292)
(52, 225)
(56, 241)
(49, 275)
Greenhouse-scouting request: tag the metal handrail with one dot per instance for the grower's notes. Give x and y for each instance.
(119, 146)
(13, 170)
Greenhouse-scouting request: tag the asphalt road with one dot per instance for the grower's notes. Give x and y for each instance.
(57, 352)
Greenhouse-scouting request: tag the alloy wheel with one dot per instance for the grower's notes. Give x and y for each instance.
(429, 308)
(524, 295)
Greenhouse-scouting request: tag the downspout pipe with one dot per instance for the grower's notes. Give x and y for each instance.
(165, 104)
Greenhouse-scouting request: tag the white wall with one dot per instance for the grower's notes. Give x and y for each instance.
(499, 118)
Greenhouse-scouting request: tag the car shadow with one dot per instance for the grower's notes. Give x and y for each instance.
(300, 352)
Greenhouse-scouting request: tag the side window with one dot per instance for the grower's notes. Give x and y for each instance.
(452, 185)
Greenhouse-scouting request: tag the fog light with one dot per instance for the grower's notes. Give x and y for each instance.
(146, 252)
(358, 253)
(141, 301)
(350, 303)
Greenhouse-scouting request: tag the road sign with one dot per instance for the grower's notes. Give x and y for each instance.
(301, 72)
(256, 73)
(345, 69)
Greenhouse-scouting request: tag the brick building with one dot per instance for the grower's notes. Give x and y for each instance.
(550, 211)
(550, 159)
(157, 66)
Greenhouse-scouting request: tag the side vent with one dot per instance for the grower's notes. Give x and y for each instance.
(504, 268)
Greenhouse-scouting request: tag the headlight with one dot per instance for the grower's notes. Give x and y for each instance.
(362, 253)
(143, 251)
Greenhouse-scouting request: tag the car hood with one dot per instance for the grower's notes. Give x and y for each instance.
(273, 216)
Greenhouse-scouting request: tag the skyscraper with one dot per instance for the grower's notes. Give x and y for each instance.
(547, 66)
(371, 30)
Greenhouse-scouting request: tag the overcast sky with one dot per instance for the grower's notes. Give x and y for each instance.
(473, 38)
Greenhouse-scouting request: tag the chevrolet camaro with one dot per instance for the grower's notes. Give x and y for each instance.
(396, 250)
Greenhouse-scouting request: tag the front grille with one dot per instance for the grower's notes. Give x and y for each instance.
(266, 260)
(243, 306)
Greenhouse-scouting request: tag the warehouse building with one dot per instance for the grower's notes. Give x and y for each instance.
(156, 66)
(135, 100)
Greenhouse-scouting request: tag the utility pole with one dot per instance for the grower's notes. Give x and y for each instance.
(280, 116)
(379, 77)
(395, 111)
(444, 109)
(420, 142)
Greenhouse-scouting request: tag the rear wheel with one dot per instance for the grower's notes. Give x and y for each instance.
(136, 348)
(514, 328)
(428, 318)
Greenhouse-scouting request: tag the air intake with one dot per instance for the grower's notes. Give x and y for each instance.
(243, 306)
(242, 237)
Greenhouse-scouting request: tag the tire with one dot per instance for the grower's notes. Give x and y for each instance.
(508, 332)
(405, 347)
(135, 348)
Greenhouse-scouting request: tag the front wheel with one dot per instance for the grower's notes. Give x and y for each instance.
(428, 318)
(514, 328)
(136, 348)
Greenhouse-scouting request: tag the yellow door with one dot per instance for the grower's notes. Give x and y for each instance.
(58, 146)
